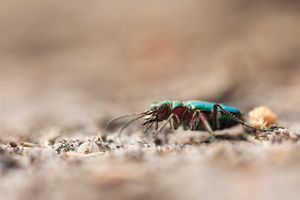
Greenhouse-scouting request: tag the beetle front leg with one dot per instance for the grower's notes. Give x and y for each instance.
(161, 127)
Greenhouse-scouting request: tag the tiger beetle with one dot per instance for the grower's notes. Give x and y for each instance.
(191, 115)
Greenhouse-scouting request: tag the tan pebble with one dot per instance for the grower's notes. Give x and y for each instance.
(29, 144)
(262, 117)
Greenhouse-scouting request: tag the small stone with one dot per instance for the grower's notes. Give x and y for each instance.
(88, 147)
(262, 117)
(66, 145)
(13, 144)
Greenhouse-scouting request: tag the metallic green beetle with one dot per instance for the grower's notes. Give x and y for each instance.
(192, 115)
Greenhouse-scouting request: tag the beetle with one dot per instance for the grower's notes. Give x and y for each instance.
(191, 115)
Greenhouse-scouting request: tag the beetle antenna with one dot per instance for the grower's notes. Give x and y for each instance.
(128, 123)
(109, 123)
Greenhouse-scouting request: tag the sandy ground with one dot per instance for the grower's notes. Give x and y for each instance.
(68, 68)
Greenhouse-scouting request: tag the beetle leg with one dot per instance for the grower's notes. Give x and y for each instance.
(185, 121)
(175, 122)
(205, 122)
(161, 127)
(232, 116)
(156, 125)
(243, 123)
(216, 117)
(198, 115)
(193, 121)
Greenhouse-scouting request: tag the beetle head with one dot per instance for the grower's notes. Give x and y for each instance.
(161, 110)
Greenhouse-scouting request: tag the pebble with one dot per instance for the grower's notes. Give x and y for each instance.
(88, 147)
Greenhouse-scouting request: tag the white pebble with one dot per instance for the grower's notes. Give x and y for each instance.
(88, 147)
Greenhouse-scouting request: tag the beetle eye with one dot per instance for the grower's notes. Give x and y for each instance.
(163, 108)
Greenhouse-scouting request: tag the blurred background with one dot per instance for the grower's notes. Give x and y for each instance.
(70, 62)
(67, 67)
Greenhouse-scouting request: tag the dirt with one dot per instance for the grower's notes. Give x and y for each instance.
(68, 68)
